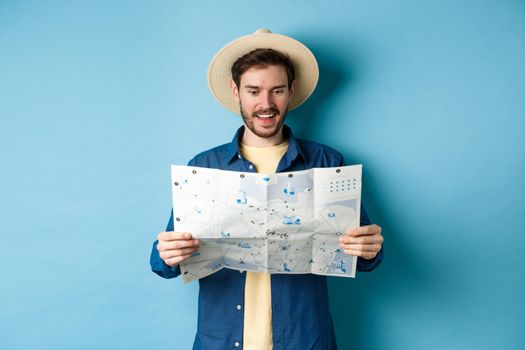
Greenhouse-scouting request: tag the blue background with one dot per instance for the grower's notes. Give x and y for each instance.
(98, 98)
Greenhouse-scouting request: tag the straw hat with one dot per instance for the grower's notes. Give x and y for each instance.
(305, 64)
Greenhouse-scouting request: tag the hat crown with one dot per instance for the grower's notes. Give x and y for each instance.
(262, 31)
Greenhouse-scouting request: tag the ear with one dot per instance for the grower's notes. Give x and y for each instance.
(234, 89)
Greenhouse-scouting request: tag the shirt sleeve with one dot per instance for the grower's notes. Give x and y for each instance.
(157, 264)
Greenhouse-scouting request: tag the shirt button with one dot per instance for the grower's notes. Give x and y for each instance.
(238, 155)
(237, 344)
(251, 166)
(239, 307)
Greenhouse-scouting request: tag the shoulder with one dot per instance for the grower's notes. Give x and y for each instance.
(319, 154)
(211, 157)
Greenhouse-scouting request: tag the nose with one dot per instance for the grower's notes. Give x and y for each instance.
(266, 99)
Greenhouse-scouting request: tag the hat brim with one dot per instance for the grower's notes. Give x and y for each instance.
(305, 64)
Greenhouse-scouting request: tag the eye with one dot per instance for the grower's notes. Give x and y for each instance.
(252, 92)
(278, 92)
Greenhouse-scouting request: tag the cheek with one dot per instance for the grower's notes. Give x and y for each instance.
(283, 102)
(247, 106)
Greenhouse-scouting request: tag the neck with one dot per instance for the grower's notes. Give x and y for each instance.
(252, 140)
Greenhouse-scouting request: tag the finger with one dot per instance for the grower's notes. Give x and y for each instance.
(365, 230)
(351, 231)
(365, 255)
(176, 260)
(171, 236)
(178, 244)
(168, 254)
(362, 247)
(361, 239)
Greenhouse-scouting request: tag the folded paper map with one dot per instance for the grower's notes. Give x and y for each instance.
(280, 223)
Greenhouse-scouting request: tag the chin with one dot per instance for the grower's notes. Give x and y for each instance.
(267, 133)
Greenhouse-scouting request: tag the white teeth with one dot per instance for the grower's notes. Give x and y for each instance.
(265, 115)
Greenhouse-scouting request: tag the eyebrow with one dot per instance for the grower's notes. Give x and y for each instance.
(257, 87)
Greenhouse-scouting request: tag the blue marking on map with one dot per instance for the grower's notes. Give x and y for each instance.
(285, 267)
(342, 266)
(290, 192)
(241, 198)
(331, 215)
(244, 245)
(266, 179)
(292, 220)
(225, 234)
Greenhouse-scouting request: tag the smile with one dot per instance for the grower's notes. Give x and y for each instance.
(265, 116)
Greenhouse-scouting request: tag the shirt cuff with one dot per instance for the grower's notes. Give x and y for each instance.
(159, 266)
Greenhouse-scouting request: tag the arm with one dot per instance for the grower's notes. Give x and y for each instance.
(365, 242)
(170, 249)
(163, 244)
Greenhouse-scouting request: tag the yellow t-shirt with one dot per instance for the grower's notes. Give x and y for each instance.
(257, 331)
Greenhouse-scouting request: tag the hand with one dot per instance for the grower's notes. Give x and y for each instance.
(363, 241)
(175, 247)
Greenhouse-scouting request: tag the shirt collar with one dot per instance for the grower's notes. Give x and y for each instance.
(294, 148)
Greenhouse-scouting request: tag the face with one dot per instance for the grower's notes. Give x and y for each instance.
(263, 96)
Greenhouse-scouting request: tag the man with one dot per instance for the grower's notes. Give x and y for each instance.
(261, 76)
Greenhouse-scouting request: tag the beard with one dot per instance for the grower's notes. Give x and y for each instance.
(263, 132)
